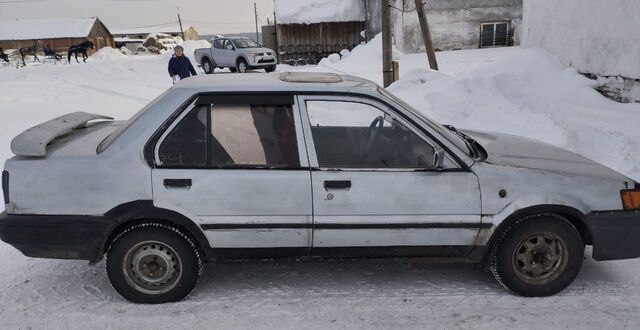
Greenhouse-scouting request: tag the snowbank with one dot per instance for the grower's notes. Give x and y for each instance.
(108, 54)
(532, 94)
(603, 38)
(316, 11)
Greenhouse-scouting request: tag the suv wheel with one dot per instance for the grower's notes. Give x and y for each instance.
(242, 66)
(153, 263)
(538, 255)
(270, 68)
(207, 66)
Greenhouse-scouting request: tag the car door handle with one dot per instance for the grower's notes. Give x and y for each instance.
(177, 183)
(337, 184)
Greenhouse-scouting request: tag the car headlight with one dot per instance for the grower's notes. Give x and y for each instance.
(256, 57)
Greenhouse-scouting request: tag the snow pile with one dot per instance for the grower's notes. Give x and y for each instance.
(108, 54)
(364, 61)
(532, 94)
(606, 45)
(318, 11)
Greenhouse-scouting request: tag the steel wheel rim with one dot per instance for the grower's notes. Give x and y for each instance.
(242, 67)
(207, 67)
(540, 258)
(152, 267)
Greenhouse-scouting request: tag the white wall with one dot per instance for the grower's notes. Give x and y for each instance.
(601, 37)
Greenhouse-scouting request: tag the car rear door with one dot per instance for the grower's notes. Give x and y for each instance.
(375, 188)
(237, 165)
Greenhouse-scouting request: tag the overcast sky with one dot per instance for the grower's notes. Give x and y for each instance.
(207, 16)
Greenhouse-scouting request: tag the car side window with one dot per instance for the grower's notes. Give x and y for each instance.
(233, 135)
(357, 135)
(218, 43)
(228, 45)
(186, 144)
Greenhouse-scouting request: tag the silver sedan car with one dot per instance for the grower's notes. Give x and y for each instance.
(304, 165)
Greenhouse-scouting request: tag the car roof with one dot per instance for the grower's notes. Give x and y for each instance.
(277, 82)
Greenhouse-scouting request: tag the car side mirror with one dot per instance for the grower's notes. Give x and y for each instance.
(438, 159)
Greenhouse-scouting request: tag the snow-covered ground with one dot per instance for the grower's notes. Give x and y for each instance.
(527, 92)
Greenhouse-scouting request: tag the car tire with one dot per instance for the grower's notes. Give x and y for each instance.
(242, 65)
(207, 66)
(270, 68)
(537, 255)
(153, 263)
(232, 69)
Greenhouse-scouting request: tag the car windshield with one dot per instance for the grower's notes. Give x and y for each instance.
(454, 138)
(245, 43)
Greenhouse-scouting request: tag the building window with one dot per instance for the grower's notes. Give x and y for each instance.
(495, 34)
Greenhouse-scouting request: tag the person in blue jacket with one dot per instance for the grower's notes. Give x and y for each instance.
(179, 65)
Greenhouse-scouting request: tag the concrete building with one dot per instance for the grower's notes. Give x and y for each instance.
(454, 24)
(600, 39)
(58, 33)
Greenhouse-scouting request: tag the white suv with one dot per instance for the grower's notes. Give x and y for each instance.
(266, 165)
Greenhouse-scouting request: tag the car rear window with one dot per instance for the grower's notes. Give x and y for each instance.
(116, 134)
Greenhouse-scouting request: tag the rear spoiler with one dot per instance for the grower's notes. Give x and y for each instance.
(33, 142)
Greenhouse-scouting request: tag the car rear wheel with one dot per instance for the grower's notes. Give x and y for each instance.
(242, 66)
(538, 255)
(207, 66)
(153, 263)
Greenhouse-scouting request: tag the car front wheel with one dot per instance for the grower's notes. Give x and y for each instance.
(207, 66)
(537, 255)
(153, 263)
(270, 68)
(242, 66)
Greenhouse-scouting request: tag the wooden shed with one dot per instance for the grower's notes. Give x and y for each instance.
(58, 33)
(307, 31)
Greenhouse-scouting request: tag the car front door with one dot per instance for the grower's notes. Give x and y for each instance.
(237, 166)
(376, 188)
(228, 53)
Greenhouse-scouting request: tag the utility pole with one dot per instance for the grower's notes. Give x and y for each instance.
(180, 22)
(387, 65)
(275, 31)
(366, 21)
(255, 14)
(426, 36)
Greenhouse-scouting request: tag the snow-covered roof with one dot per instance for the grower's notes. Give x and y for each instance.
(159, 28)
(319, 11)
(46, 28)
(128, 40)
